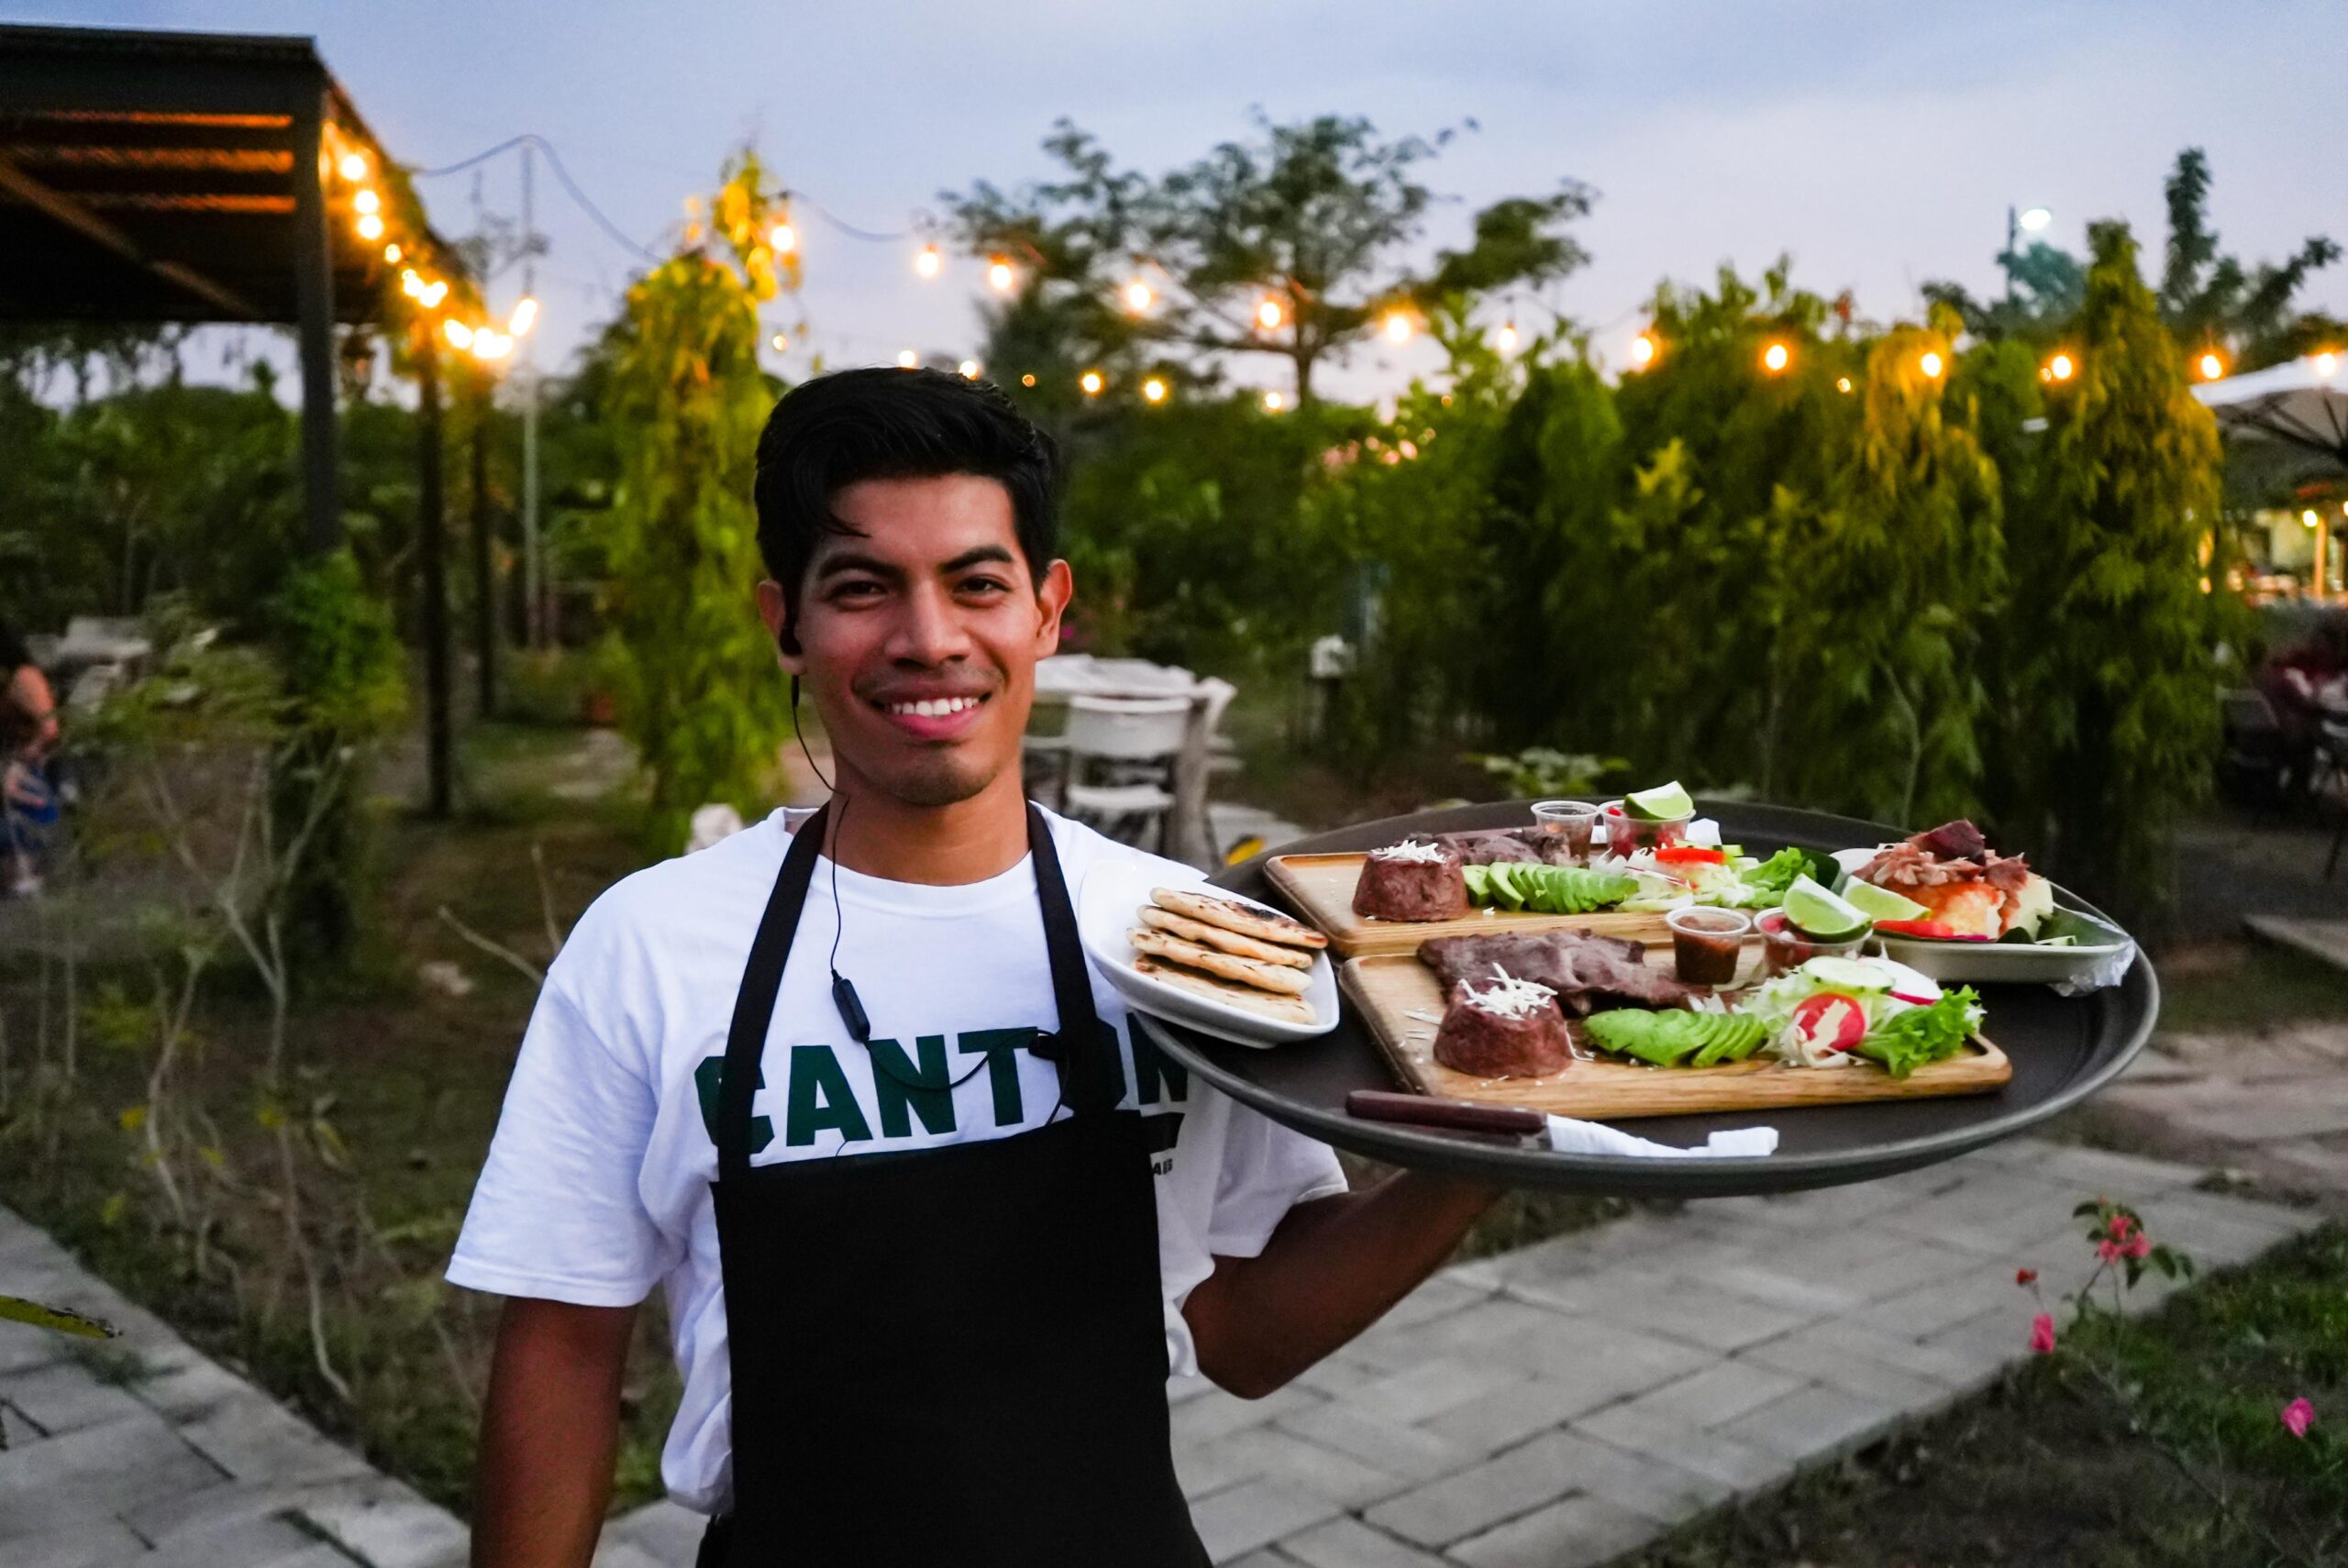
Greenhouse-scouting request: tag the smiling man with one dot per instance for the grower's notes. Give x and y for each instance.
(934, 1220)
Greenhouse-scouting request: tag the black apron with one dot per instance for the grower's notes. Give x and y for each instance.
(954, 1355)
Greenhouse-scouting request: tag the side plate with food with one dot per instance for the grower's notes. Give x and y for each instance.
(1196, 955)
(1982, 916)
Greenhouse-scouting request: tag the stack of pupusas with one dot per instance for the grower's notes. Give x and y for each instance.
(1230, 952)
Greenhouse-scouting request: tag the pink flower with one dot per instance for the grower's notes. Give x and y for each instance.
(2042, 1340)
(2137, 1246)
(2298, 1416)
(2110, 1252)
(2025, 1276)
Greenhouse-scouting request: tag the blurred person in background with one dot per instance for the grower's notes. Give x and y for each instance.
(27, 736)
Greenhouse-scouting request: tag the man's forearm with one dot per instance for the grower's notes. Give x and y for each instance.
(549, 1433)
(1333, 1268)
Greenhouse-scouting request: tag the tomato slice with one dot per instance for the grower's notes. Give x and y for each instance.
(1831, 1019)
(1939, 930)
(1690, 854)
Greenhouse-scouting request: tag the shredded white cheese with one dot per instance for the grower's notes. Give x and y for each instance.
(1506, 997)
(1416, 854)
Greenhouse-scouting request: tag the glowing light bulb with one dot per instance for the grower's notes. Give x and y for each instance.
(410, 284)
(1269, 313)
(1397, 327)
(354, 166)
(367, 202)
(433, 294)
(2210, 365)
(969, 369)
(458, 333)
(1775, 357)
(370, 227)
(1274, 402)
(489, 345)
(2309, 518)
(1643, 351)
(1138, 296)
(782, 239)
(1505, 338)
(2036, 219)
(907, 359)
(391, 253)
(1028, 380)
(1154, 390)
(526, 316)
(1931, 365)
(1091, 383)
(1842, 383)
(929, 261)
(2327, 364)
(1000, 276)
(2061, 368)
(779, 342)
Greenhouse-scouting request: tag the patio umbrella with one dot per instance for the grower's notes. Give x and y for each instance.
(2300, 406)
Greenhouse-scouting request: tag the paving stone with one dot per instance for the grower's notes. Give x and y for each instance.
(1721, 1393)
(1509, 1483)
(611, 1553)
(384, 1524)
(16, 1430)
(1738, 1466)
(1430, 1388)
(1501, 1420)
(1240, 1518)
(1574, 1533)
(1759, 1282)
(187, 1392)
(1204, 1468)
(1216, 1414)
(22, 1346)
(2130, 1178)
(91, 1543)
(1928, 1309)
(1819, 1361)
(209, 1509)
(1412, 1453)
(66, 1396)
(1975, 1351)
(1813, 1423)
(1307, 1465)
(99, 1471)
(262, 1542)
(1346, 1542)
(1697, 1314)
(1445, 1293)
(256, 1440)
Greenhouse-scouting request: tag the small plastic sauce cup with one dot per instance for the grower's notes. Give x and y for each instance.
(1571, 820)
(1706, 944)
(1626, 833)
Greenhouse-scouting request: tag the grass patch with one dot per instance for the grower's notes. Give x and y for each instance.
(2048, 1469)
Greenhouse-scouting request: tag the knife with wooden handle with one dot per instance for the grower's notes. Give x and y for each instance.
(1452, 1115)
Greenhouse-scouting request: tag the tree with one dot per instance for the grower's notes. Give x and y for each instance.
(1312, 218)
(699, 695)
(2113, 686)
(1891, 589)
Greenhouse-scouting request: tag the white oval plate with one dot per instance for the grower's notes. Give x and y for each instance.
(1115, 891)
(1990, 963)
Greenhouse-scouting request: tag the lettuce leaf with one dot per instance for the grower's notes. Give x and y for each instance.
(1767, 882)
(1918, 1036)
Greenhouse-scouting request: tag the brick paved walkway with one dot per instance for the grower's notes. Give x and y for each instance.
(1553, 1408)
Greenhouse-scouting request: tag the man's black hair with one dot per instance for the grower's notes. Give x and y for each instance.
(829, 433)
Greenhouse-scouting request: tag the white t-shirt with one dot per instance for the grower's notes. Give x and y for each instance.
(597, 1184)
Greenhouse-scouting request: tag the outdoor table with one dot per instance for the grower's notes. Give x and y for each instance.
(1064, 676)
(2063, 1049)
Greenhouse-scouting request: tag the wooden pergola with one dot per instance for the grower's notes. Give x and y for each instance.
(204, 177)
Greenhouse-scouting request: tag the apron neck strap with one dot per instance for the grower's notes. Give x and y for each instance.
(1081, 1046)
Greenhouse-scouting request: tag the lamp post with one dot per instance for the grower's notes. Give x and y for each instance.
(2017, 222)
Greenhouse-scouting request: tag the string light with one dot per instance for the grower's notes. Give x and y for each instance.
(1000, 277)
(354, 166)
(432, 295)
(1931, 365)
(2210, 365)
(2309, 518)
(927, 262)
(1028, 380)
(2327, 364)
(1397, 327)
(489, 345)
(411, 284)
(367, 202)
(391, 253)
(2061, 368)
(370, 228)
(907, 359)
(1643, 348)
(1506, 338)
(1138, 296)
(525, 315)
(1154, 390)
(458, 335)
(1269, 313)
(1775, 357)
(782, 239)
(969, 369)
(1091, 383)
(1274, 402)
(1842, 383)
(779, 343)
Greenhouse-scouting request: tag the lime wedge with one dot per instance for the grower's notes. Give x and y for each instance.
(1819, 914)
(1881, 903)
(1664, 803)
(1847, 974)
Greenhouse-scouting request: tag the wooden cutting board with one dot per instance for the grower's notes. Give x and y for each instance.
(1321, 889)
(1399, 999)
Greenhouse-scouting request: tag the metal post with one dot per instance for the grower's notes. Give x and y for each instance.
(314, 312)
(431, 531)
(484, 564)
(533, 605)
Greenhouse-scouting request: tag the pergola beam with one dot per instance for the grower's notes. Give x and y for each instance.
(65, 209)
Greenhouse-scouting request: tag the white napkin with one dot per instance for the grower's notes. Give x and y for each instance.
(2107, 971)
(1567, 1136)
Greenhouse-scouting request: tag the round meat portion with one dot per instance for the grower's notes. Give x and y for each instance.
(1485, 1042)
(1419, 882)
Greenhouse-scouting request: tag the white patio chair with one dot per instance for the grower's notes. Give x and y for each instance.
(1131, 744)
